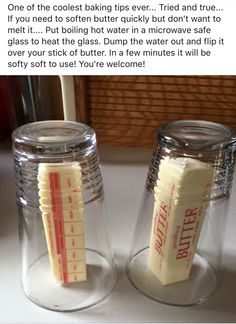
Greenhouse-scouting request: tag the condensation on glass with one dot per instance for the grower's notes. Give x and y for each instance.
(204, 143)
(61, 143)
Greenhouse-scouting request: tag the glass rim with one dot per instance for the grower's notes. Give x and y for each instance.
(52, 135)
(194, 135)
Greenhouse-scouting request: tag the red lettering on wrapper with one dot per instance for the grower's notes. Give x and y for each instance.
(56, 201)
(181, 255)
(187, 231)
(161, 226)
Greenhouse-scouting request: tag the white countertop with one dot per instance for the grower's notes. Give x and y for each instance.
(124, 173)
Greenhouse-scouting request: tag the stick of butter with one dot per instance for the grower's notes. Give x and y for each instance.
(182, 195)
(61, 204)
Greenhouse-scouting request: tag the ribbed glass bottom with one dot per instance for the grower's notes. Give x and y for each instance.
(202, 283)
(39, 287)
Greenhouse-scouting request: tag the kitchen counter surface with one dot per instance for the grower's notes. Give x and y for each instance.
(124, 173)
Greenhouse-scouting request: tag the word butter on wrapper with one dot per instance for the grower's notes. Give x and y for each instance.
(182, 195)
(61, 205)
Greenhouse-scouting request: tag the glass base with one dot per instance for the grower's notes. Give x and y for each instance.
(40, 287)
(201, 284)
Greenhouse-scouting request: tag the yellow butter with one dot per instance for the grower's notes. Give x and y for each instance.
(61, 204)
(182, 194)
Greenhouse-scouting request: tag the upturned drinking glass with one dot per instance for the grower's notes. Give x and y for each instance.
(184, 242)
(61, 144)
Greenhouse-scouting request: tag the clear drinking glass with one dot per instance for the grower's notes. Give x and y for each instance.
(61, 144)
(202, 144)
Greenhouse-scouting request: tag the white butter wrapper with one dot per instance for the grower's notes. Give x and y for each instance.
(182, 195)
(61, 204)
